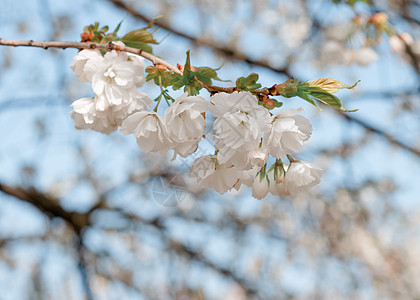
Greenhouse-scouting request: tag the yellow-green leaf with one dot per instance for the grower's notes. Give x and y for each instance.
(329, 84)
(139, 36)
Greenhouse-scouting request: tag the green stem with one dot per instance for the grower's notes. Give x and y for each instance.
(157, 104)
(162, 92)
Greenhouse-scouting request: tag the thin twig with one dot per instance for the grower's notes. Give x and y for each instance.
(112, 46)
(81, 45)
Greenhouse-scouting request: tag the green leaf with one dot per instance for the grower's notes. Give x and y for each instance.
(104, 29)
(187, 67)
(325, 97)
(118, 27)
(322, 96)
(193, 88)
(206, 74)
(329, 84)
(139, 36)
(170, 79)
(248, 83)
(188, 79)
(179, 82)
(278, 103)
(304, 96)
(151, 23)
(289, 88)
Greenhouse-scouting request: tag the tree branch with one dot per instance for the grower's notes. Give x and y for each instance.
(211, 88)
(81, 45)
(82, 265)
(380, 132)
(112, 46)
(48, 205)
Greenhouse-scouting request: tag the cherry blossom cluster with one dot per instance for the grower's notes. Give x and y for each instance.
(115, 78)
(245, 133)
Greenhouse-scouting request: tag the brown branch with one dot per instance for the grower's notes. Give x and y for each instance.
(51, 207)
(185, 251)
(231, 53)
(47, 205)
(211, 88)
(111, 46)
(83, 267)
(215, 89)
(181, 249)
(380, 132)
(413, 56)
(80, 45)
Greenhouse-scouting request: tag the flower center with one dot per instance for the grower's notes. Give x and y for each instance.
(110, 73)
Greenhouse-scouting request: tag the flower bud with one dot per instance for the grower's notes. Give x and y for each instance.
(278, 173)
(379, 18)
(260, 186)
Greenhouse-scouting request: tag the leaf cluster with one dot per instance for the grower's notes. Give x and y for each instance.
(321, 90)
(139, 38)
(248, 83)
(192, 78)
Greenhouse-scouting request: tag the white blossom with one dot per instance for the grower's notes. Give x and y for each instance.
(277, 188)
(234, 130)
(288, 133)
(149, 130)
(407, 38)
(365, 56)
(301, 175)
(87, 117)
(79, 62)
(334, 52)
(396, 44)
(239, 125)
(209, 173)
(116, 76)
(185, 123)
(295, 31)
(223, 103)
(248, 157)
(256, 157)
(138, 102)
(247, 177)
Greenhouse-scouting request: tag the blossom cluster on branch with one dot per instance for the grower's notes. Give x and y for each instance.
(251, 140)
(245, 132)
(115, 78)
